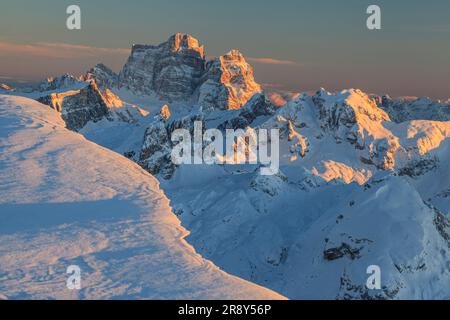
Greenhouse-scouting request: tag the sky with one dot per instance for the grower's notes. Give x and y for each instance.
(294, 45)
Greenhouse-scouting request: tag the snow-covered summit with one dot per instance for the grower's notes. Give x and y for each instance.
(171, 70)
(76, 203)
(363, 179)
(91, 104)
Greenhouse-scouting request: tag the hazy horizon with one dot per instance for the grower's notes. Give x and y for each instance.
(293, 45)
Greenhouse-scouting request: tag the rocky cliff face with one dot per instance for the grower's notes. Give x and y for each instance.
(155, 154)
(257, 106)
(177, 70)
(401, 110)
(90, 104)
(228, 83)
(103, 76)
(78, 107)
(174, 71)
(171, 70)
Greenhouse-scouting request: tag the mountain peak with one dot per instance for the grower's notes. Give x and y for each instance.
(183, 41)
(177, 70)
(234, 55)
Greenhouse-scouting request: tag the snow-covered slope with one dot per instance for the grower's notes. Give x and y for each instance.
(83, 102)
(355, 189)
(67, 201)
(363, 179)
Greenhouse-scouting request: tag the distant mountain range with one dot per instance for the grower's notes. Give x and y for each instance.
(363, 179)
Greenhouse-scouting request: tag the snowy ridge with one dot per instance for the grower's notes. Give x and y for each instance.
(75, 203)
(91, 104)
(344, 165)
(355, 189)
(363, 180)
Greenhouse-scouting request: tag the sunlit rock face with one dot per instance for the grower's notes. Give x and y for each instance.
(171, 70)
(90, 104)
(78, 107)
(177, 70)
(228, 83)
(257, 106)
(103, 76)
(165, 112)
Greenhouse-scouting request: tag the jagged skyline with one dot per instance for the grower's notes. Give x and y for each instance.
(179, 178)
(293, 45)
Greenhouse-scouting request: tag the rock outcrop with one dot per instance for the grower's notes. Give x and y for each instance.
(177, 70)
(103, 76)
(78, 107)
(171, 70)
(155, 154)
(256, 107)
(228, 83)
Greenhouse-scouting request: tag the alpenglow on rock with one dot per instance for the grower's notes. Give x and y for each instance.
(90, 104)
(228, 83)
(177, 70)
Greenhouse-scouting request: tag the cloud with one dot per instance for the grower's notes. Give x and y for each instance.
(6, 78)
(273, 61)
(58, 50)
(13, 79)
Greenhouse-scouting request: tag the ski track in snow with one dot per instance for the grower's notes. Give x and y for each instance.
(67, 201)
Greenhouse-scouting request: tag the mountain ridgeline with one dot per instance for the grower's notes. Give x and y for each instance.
(177, 70)
(363, 179)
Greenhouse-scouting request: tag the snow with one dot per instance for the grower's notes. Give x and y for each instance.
(67, 201)
(274, 230)
(363, 181)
